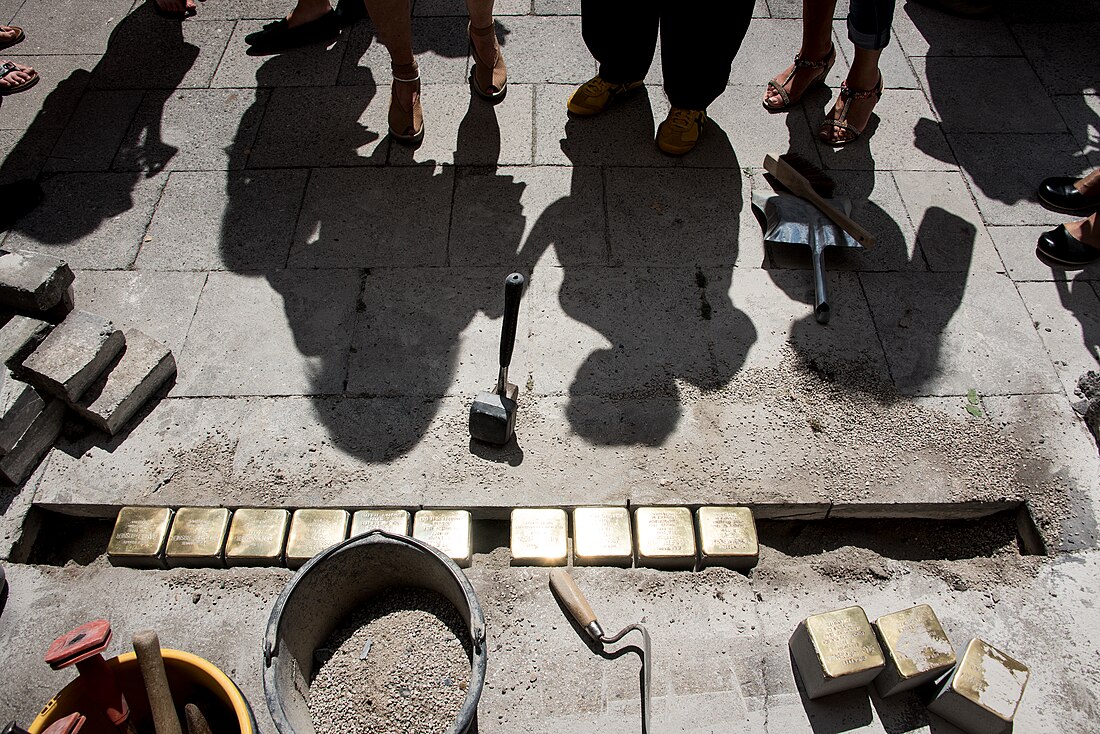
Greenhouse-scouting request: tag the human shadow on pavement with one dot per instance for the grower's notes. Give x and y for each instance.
(144, 52)
(656, 287)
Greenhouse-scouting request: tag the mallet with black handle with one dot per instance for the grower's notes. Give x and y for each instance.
(493, 414)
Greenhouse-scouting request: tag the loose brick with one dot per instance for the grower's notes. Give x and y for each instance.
(30, 281)
(19, 337)
(20, 405)
(144, 366)
(33, 445)
(75, 354)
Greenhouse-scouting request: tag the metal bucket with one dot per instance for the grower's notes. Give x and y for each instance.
(337, 583)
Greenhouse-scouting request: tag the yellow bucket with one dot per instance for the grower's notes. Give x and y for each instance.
(191, 679)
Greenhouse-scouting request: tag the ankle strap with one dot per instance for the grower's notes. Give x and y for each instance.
(407, 81)
(801, 63)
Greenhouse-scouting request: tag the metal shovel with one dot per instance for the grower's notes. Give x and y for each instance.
(793, 220)
(572, 598)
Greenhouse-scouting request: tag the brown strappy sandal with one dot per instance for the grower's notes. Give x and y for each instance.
(489, 81)
(406, 125)
(10, 67)
(851, 133)
(18, 36)
(780, 88)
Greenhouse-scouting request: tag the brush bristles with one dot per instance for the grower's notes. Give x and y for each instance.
(822, 184)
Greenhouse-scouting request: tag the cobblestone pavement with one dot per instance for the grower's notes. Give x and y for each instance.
(333, 300)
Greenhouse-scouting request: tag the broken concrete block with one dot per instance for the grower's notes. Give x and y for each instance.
(73, 356)
(63, 308)
(19, 337)
(114, 398)
(30, 281)
(20, 404)
(982, 693)
(34, 443)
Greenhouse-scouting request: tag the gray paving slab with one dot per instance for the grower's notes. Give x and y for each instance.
(33, 281)
(73, 356)
(463, 129)
(435, 335)
(321, 127)
(95, 131)
(557, 7)
(659, 217)
(194, 129)
(16, 501)
(1005, 170)
(149, 52)
(339, 225)
(1082, 115)
(754, 132)
(552, 50)
(947, 333)
(1016, 246)
(9, 8)
(49, 103)
(922, 30)
(768, 48)
(310, 66)
(441, 47)
(529, 215)
(1067, 318)
(215, 220)
(897, 73)
(24, 155)
(792, 9)
(458, 7)
(1017, 102)
(952, 235)
(903, 136)
(1062, 69)
(159, 304)
(91, 220)
(282, 333)
(53, 28)
(244, 9)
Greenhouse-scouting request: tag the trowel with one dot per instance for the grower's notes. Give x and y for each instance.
(793, 220)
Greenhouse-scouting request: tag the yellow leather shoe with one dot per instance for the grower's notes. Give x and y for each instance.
(681, 130)
(596, 94)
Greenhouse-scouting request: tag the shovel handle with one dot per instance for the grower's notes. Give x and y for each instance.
(151, 662)
(513, 292)
(571, 596)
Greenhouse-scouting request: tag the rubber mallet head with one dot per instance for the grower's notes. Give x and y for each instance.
(493, 413)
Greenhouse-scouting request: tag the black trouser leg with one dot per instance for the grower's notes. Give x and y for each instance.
(622, 35)
(698, 43)
(869, 23)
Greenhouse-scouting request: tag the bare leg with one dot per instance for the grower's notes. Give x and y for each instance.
(864, 75)
(306, 11)
(393, 21)
(817, 40)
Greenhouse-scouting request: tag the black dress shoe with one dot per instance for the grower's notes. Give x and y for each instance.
(280, 36)
(350, 12)
(1059, 194)
(1062, 248)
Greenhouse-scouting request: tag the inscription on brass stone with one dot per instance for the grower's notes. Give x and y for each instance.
(447, 530)
(139, 536)
(983, 692)
(256, 537)
(395, 522)
(836, 651)
(665, 537)
(916, 648)
(601, 536)
(312, 531)
(197, 538)
(727, 537)
(539, 536)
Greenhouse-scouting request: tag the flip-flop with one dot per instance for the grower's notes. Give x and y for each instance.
(18, 37)
(8, 67)
(173, 14)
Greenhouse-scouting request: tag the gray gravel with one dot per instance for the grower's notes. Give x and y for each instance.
(413, 679)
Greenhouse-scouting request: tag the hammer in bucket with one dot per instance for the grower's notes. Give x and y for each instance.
(493, 413)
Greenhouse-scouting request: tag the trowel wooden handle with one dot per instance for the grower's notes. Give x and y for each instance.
(147, 649)
(513, 292)
(842, 220)
(566, 589)
(196, 722)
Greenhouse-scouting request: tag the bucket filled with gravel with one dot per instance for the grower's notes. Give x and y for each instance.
(381, 634)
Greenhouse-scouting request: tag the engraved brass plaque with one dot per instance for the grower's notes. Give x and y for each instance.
(447, 530)
(539, 536)
(991, 679)
(391, 521)
(197, 537)
(914, 642)
(665, 536)
(601, 536)
(256, 537)
(844, 642)
(139, 536)
(727, 537)
(312, 531)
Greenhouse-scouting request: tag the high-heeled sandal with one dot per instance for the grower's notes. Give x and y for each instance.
(850, 133)
(489, 81)
(406, 125)
(780, 88)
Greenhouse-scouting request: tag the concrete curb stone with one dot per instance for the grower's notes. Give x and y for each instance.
(21, 336)
(33, 282)
(75, 353)
(145, 365)
(35, 442)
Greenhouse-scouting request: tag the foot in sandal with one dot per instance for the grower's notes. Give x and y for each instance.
(807, 71)
(16, 77)
(489, 75)
(10, 35)
(848, 119)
